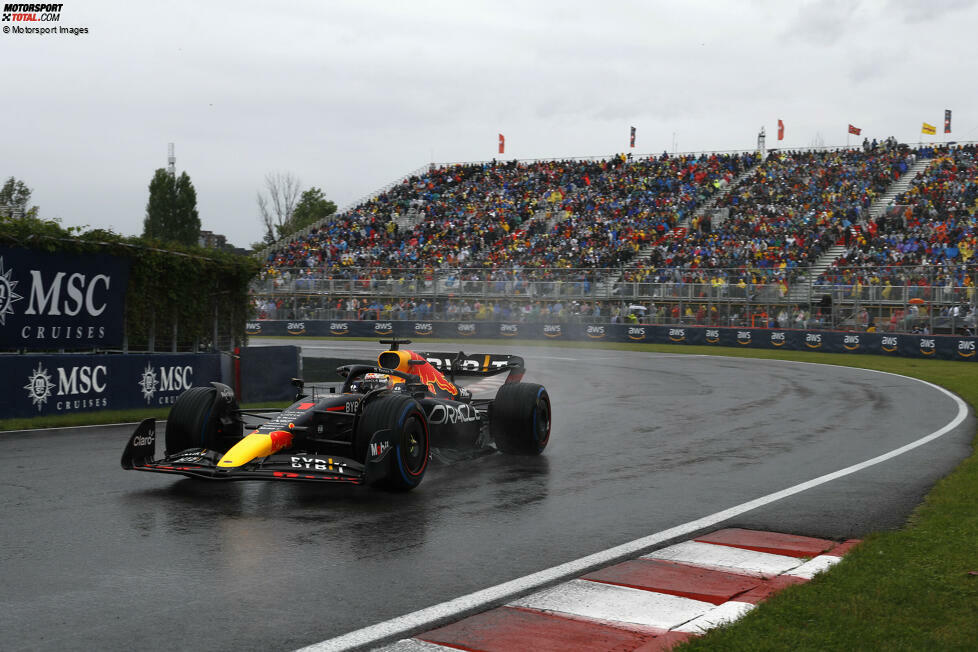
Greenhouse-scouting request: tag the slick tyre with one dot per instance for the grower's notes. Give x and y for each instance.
(408, 437)
(192, 422)
(520, 419)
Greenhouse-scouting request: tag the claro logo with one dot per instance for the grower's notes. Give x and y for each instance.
(77, 387)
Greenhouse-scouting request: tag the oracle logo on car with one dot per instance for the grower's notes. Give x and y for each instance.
(339, 327)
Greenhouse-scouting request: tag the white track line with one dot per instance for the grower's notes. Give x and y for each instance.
(452, 609)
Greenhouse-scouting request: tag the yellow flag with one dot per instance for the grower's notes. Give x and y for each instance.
(928, 129)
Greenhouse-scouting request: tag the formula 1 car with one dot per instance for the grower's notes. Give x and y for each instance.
(380, 428)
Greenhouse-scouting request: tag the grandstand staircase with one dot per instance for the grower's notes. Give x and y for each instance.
(605, 288)
(801, 290)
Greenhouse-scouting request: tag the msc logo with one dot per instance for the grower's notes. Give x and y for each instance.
(712, 335)
(889, 343)
(778, 338)
(636, 333)
(927, 346)
(253, 328)
(467, 329)
(7, 294)
(79, 381)
(423, 328)
(171, 379)
(296, 327)
(509, 330)
(813, 340)
(383, 328)
(743, 338)
(552, 330)
(595, 332)
(966, 348)
(677, 334)
(850, 342)
(339, 328)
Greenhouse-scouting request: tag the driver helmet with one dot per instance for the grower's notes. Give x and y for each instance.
(370, 382)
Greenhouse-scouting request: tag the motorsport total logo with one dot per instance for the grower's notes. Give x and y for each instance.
(30, 13)
(28, 18)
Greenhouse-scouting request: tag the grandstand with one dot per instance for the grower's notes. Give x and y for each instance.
(878, 237)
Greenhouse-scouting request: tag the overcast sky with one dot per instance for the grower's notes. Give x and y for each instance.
(350, 96)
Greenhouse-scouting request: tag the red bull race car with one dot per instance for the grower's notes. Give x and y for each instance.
(381, 427)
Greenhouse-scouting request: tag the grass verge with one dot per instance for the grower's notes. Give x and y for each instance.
(910, 589)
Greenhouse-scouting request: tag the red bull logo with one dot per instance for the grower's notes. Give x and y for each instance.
(436, 382)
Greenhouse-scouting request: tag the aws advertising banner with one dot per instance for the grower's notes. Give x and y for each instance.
(61, 301)
(60, 384)
(904, 345)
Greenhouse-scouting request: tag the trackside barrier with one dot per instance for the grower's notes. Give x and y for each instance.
(34, 385)
(266, 372)
(943, 347)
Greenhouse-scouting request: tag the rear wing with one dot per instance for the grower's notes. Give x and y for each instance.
(476, 365)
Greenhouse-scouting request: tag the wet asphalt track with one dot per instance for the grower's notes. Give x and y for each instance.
(92, 557)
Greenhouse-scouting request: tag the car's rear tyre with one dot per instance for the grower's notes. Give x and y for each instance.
(192, 422)
(520, 419)
(408, 437)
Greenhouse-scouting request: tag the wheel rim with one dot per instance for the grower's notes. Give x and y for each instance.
(414, 451)
(542, 420)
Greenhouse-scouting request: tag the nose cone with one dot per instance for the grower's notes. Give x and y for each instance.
(255, 445)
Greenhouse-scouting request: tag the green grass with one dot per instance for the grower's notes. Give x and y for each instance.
(909, 589)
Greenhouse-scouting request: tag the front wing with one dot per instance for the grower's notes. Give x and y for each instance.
(140, 455)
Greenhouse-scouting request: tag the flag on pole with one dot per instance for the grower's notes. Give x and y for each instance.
(930, 130)
(502, 144)
(947, 121)
(631, 142)
(855, 131)
(780, 130)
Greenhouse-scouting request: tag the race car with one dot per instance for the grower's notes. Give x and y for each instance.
(381, 427)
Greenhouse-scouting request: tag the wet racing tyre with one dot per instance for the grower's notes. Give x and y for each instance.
(192, 422)
(409, 438)
(520, 419)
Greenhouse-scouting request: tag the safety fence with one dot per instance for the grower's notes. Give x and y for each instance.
(905, 345)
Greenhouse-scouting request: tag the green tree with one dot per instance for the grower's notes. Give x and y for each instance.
(14, 197)
(312, 207)
(171, 212)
